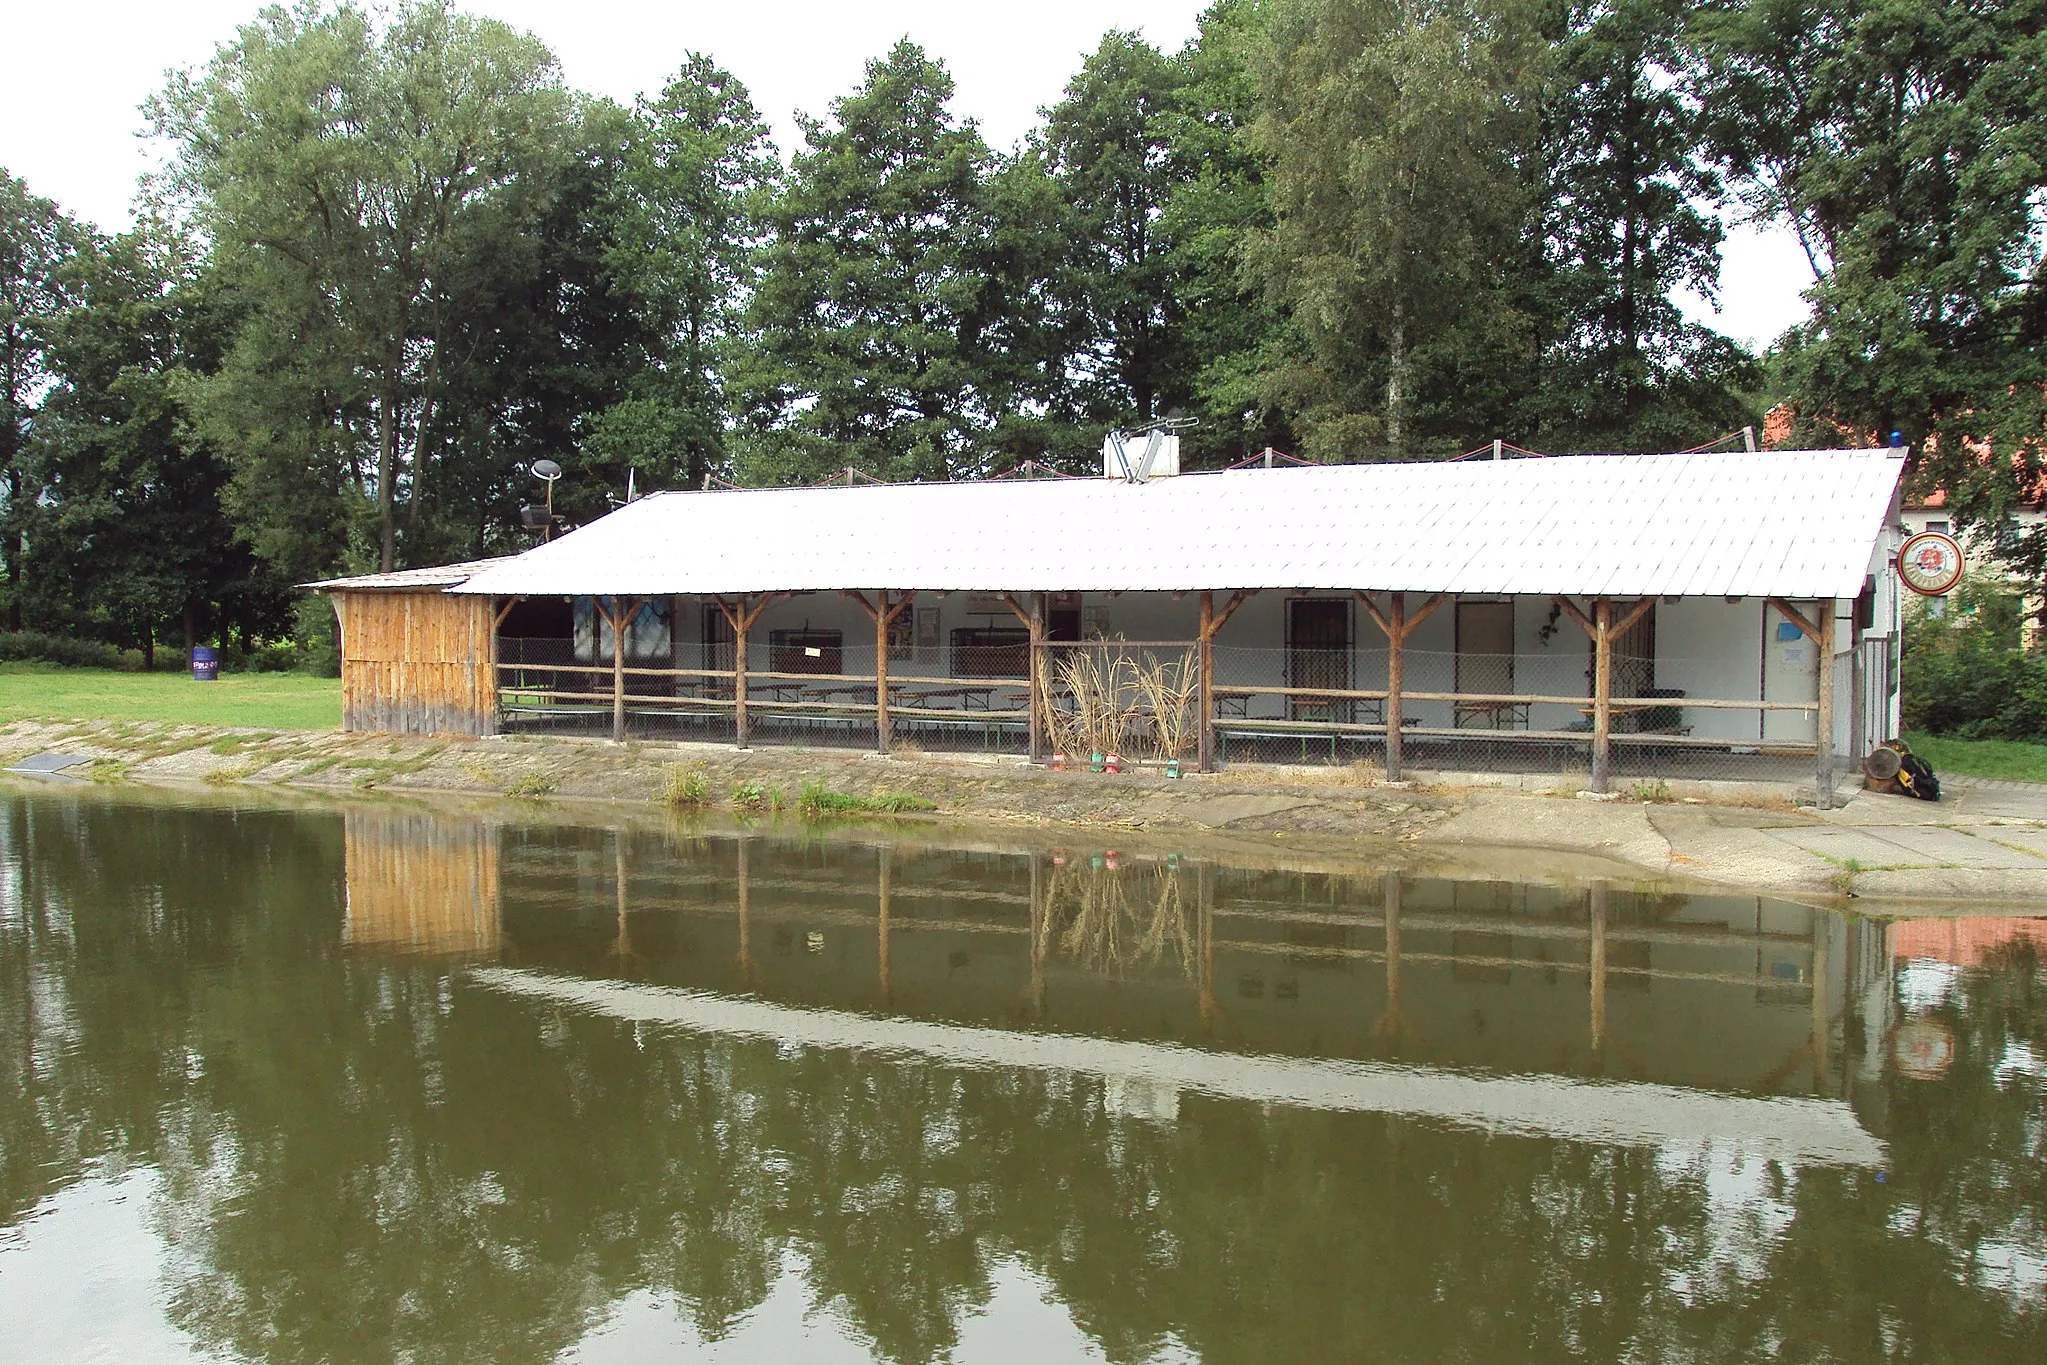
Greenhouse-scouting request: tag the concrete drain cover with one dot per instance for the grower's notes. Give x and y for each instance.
(48, 765)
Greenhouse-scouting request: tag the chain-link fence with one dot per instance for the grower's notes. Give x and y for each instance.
(1676, 717)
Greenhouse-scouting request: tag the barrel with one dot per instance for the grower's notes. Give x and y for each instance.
(205, 663)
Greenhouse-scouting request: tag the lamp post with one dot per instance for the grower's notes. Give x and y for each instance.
(547, 471)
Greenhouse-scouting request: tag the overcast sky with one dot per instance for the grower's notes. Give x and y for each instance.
(72, 76)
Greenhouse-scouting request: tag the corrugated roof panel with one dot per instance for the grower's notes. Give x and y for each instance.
(1797, 524)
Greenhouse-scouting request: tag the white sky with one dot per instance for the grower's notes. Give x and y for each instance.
(72, 76)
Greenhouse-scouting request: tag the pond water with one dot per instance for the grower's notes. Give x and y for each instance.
(389, 1084)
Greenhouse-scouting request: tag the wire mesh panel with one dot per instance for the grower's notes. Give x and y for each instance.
(1529, 714)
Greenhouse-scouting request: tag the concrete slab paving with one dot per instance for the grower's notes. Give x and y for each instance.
(1869, 847)
(1961, 848)
(2027, 837)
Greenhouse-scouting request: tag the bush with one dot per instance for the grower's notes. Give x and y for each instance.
(25, 646)
(318, 637)
(1964, 674)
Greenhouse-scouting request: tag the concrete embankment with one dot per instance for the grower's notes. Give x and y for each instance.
(1985, 845)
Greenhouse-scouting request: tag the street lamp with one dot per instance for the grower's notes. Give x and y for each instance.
(547, 471)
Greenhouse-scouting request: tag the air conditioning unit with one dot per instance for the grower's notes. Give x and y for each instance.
(1137, 459)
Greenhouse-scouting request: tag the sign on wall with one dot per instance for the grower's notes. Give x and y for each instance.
(1930, 564)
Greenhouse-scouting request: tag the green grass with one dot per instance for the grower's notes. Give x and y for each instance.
(2004, 759)
(818, 802)
(273, 701)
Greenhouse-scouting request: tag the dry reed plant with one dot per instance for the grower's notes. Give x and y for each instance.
(1165, 695)
(1110, 700)
(1102, 928)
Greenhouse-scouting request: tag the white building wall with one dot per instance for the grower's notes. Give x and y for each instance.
(1709, 647)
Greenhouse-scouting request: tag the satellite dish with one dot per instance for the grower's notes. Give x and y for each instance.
(546, 469)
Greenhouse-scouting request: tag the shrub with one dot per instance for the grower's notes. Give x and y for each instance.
(688, 788)
(25, 646)
(1964, 675)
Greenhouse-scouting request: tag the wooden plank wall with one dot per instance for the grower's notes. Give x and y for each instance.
(416, 663)
(420, 884)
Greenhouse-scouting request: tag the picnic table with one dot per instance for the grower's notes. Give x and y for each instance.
(1497, 715)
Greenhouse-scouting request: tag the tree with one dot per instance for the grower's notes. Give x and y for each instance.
(687, 217)
(871, 317)
(1221, 201)
(1397, 133)
(128, 526)
(348, 165)
(1905, 142)
(36, 242)
(1106, 147)
(1628, 223)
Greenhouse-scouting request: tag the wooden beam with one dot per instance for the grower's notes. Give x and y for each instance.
(1602, 693)
(503, 612)
(1372, 610)
(1237, 599)
(1205, 661)
(1571, 610)
(1635, 613)
(1823, 779)
(1035, 696)
(1435, 600)
(1396, 674)
(1796, 618)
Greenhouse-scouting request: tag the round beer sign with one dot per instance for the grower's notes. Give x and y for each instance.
(1930, 563)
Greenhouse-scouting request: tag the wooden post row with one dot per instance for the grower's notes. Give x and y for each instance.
(1033, 619)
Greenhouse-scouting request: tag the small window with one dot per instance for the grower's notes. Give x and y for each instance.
(990, 652)
(1939, 526)
(806, 651)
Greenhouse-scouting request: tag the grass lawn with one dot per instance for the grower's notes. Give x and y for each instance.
(270, 701)
(1997, 758)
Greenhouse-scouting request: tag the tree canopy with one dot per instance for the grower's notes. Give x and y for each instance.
(393, 259)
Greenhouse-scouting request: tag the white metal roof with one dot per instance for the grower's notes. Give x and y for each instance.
(410, 580)
(1799, 524)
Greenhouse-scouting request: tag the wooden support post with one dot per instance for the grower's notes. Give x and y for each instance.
(883, 732)
(1396, 676)
(1212, 622)
(623, 945)
(884, 616)
(745, 917)
(1823, 779)
(1397, 625)
(740, 622)
(1204, 902)
(1205, 661)
(881, 892)
(741, 618)
(1822, 924)
(1036, 697)
(1603, 631)
(1038, 939)
(1821, 633)
(1602, 694)
(1597, 913)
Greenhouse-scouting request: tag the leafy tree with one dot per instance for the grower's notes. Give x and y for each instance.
(1221, 201)
(1905, 142)
(1628, 223)
(871, 316)
(686, 213)
(36, 241)
(1107, 148)
(128, 527)
(1397, 132)
(348, 165)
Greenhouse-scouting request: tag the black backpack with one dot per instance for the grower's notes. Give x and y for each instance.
(1917, 779)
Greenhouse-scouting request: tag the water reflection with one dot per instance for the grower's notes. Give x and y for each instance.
(393, 1084)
